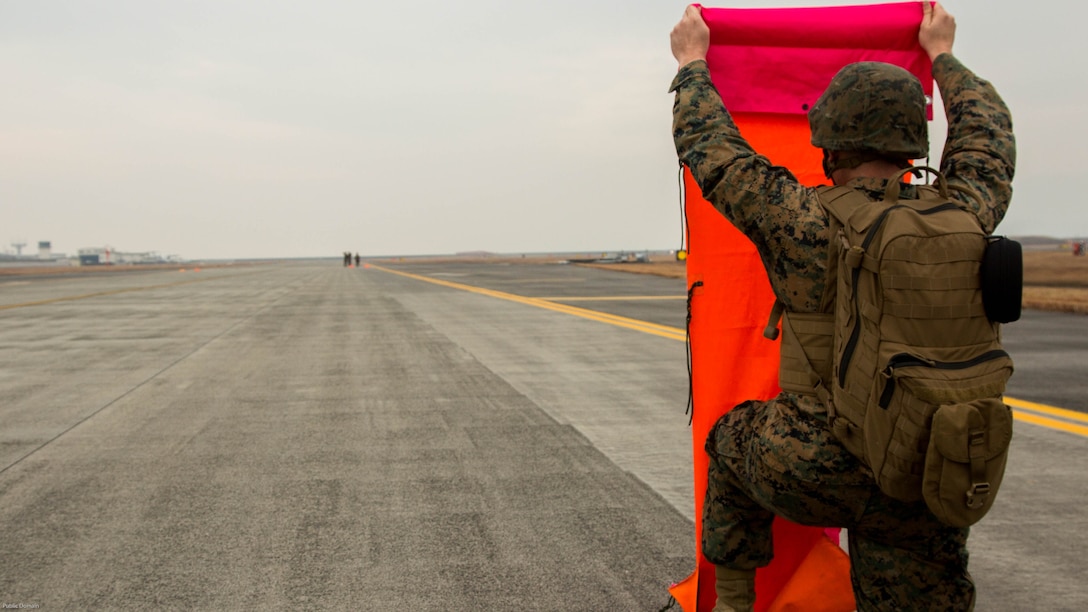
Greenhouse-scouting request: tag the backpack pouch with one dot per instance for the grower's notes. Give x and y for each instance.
(905, 397)
(968, 447)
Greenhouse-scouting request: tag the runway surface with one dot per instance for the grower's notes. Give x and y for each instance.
(423, 437)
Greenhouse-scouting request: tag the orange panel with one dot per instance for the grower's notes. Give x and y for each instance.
(784, 139)
(732, 361)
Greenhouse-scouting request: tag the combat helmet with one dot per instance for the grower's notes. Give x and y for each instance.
(873, 107)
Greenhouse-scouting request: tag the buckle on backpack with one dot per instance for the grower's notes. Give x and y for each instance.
(977, 494)
(979, 491)
(854, 256)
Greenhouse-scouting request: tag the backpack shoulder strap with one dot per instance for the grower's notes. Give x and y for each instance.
(840, 202)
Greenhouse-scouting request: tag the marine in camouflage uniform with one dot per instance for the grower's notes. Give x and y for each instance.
(780, 457)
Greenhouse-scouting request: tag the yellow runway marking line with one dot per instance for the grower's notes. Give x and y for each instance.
(1034, 419)
(1051, 410)
(84, 296)
(535, 281)
(618, 298)
(665, 331)
(1067, 420)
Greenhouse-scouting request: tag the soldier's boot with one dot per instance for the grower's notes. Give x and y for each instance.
(736, 589)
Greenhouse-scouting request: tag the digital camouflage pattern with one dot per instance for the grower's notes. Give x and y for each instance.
(872, 106)
(780, 457)
(776, 456)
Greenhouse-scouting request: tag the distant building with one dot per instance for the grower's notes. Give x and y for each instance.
(44, 255)
(97, 256)
(92, 256)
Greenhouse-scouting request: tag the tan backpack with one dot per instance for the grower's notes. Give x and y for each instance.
(909, 364)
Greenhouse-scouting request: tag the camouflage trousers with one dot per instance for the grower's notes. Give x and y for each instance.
(772, 458)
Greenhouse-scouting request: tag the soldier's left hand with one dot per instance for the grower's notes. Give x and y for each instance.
(691, 37)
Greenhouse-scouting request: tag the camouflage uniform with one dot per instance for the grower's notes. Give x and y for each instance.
(780, 457)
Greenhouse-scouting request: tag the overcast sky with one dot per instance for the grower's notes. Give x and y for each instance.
(262, 128)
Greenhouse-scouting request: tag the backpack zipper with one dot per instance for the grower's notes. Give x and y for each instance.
(906, 360)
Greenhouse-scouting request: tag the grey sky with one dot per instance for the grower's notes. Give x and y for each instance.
(232, 128)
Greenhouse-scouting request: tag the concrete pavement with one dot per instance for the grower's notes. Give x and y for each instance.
(297, 436)
(307, 435)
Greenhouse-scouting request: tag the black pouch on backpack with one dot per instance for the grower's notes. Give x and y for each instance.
(1002, 279)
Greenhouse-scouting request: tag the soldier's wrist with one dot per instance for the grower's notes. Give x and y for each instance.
(935, 53)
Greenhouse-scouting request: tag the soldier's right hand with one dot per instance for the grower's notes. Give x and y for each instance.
(937, 31)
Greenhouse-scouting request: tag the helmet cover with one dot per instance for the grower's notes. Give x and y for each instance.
(872, 106)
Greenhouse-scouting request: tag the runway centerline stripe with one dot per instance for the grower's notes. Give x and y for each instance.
(1020, 407)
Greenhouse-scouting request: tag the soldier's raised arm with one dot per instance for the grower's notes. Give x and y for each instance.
(980, 150)
(764, 201)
